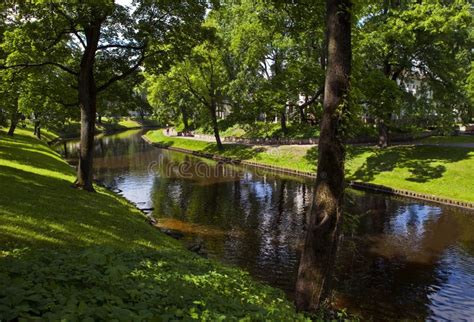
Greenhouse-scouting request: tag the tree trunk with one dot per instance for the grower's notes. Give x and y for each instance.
(87, 102)
(66, 154)
(301, 108)
(318, 256)
(38, 131)
(99, 118)
(383, 133)
(13, 122)
(185, 118)
(215, 127)
(284, 128)
(37, 125)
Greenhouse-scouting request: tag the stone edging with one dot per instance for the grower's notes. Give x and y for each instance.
(395, 138)
(411, 194)
(312, 175)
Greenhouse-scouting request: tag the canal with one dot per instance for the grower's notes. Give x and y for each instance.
(399, 258)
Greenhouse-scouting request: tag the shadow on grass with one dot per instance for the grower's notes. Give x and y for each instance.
(27, 151)
(42, 211)
(103, 283)
(420, 161)
(236, 151)
(312, 155)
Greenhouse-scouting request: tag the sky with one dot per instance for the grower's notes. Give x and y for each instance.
(124, 2)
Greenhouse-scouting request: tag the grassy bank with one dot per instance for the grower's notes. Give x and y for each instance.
(291, 157)
(72, 255)
(72, 129)
(439, 170)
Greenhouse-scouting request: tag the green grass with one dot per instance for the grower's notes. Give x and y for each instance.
(449, 139)
(438, 170)
(73, 255)
(291, 157)
(442, 171)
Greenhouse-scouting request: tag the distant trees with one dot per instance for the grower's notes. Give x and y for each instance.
(424, 45)
(411, 65)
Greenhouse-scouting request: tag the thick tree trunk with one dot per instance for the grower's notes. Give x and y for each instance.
(87, 103)
(215, 127)
(13, 122)
(317, 259)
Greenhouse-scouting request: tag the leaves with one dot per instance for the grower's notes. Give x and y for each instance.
(101, 283)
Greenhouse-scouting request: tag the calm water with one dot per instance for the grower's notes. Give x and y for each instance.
(399, 259)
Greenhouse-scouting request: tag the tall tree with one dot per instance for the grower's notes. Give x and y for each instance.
(202, 75)
(98, 43)
(324, 222)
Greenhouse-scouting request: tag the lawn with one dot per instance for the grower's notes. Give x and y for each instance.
(286, 156)
(439, 170)
(72, 255)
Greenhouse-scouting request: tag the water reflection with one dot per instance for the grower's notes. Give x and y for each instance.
(399, 259)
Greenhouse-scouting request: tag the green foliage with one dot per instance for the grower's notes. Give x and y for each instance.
(103, 283)
(397, 43)
(51, 39)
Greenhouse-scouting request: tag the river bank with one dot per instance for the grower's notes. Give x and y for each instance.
(435, 173)
(107, 126)
(94, 255)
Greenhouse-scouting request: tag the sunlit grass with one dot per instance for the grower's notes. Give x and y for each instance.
(291, 157)
(437, 170)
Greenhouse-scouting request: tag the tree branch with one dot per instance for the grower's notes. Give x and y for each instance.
(71, 24)
(66, 69)
(59, 101)
(124, 74)
(313, 99)
(191, 89)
